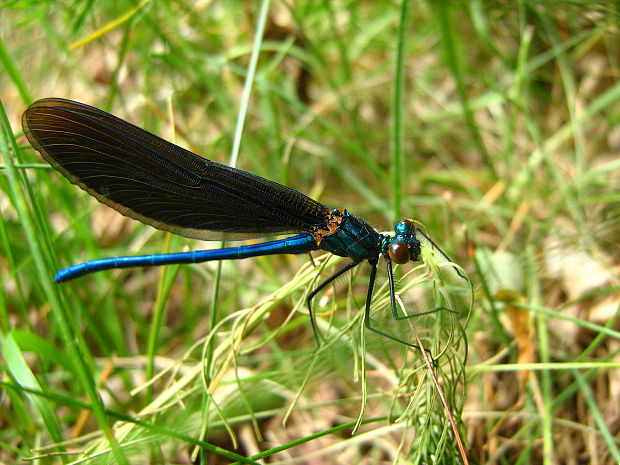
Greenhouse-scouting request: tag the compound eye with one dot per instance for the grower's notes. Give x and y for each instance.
(399, 253)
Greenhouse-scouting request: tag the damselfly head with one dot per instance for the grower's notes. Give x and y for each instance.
(404, 246)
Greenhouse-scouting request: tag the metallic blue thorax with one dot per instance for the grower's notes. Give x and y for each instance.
(354, 238)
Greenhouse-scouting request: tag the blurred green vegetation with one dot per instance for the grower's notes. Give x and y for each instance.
(493, 124)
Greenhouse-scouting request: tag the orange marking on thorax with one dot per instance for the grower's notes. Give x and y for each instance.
(333, 220)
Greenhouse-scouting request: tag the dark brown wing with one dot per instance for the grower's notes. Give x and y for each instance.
(152, 180)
